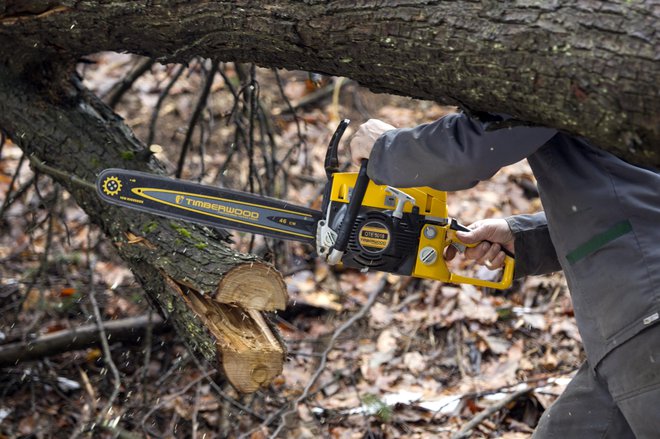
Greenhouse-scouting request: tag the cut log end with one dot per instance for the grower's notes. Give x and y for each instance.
(248, 371)
(255, 286)
(250, 354)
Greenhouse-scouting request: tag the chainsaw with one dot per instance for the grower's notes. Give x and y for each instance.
(361, 225)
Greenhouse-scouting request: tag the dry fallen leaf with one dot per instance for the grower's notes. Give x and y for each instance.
(415, 362)
(112, 274)
(380, 316)
(478, 310)
(568, 327)
(496, 345)
(503, 372)
(535, 320)
(386, 341)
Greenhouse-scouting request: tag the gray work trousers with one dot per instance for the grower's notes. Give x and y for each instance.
(620, 400)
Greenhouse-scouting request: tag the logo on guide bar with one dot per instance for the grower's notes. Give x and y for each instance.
(111, 186)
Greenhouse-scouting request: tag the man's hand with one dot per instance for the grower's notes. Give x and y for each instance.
(364, 138)
(495, 234)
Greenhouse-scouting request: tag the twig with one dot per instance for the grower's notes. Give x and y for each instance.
(119, 89)
(239, 131)
(365, 417)
(159, 103)
(252, 98)
(334, 107)
(148, 337)
(195, 412)
(407, 301)
(458, 331)
(314, 97)
(302, 144)
(204, 137)
(484, 414)
(8, 200)
(43, 264)
(269, 154)
(83, 421)
(201, 103)
(324, 358)
(172, 396)
(16, 195)
(102, 417)
(54, 172)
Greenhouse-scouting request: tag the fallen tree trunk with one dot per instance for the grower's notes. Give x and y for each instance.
(589, 67)
(72, 137)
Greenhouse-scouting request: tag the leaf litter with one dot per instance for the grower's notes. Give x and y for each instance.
(424, 362)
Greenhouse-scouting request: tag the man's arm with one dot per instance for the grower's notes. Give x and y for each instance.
(527, 236)
(452, 153)
(535, 253)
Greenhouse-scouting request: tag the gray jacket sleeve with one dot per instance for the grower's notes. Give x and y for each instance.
(452, 153)
(535, 253)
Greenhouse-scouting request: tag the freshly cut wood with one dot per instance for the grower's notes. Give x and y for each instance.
(250, 354)
(254, 286)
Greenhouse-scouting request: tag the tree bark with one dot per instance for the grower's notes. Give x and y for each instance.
(586, 67)
(71, 135)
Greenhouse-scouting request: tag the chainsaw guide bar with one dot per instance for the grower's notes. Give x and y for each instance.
(208, 205)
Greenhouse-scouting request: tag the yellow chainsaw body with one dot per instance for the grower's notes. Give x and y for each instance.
(426, 217)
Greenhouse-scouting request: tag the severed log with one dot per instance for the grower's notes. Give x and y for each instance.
(185, 270)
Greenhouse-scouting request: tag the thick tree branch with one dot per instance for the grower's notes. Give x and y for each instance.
(589, 68)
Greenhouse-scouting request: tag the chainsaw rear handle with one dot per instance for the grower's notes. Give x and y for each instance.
(507, 274)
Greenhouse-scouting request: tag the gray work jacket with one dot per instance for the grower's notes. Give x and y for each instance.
(603, 214)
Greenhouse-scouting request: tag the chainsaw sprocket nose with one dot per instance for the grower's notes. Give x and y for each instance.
(111, 186)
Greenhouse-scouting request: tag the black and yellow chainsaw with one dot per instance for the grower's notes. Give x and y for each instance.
(361, 225)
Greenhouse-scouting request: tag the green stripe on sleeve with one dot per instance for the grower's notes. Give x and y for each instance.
(598, 241)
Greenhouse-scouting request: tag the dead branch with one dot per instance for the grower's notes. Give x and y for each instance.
(119, 89)
(159, 104)
(130, 329)
(103, 415)
(201, 103)
(483, 415)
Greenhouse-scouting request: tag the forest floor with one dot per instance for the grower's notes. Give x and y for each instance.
(427, 360)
